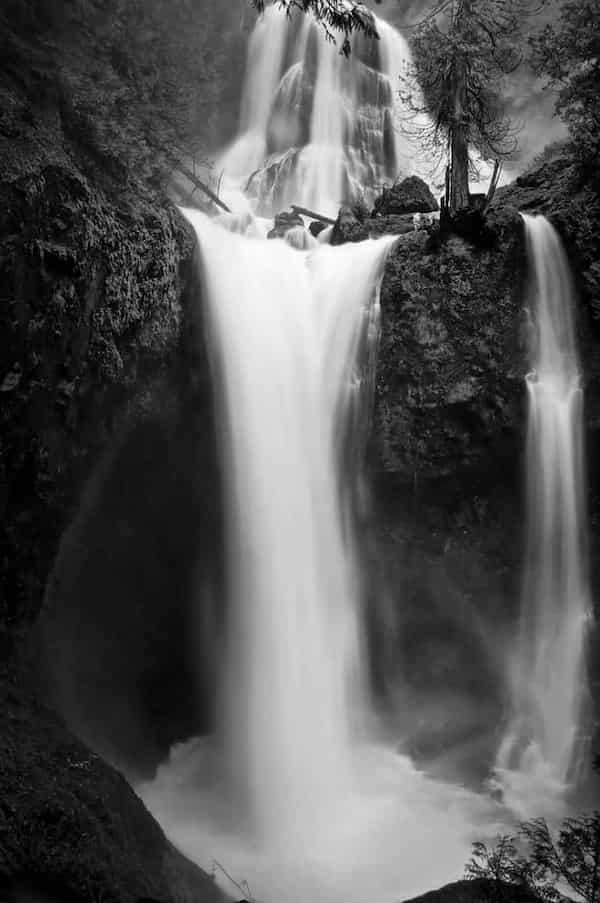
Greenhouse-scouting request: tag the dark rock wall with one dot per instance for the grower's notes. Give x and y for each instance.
(71, 828)
(446, 451)
(451, 364)
(107, 463)
(93, 257)
(90, 320)
(105, 399)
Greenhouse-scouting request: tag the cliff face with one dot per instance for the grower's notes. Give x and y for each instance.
(92, 318)
(447, 448)
(451, 357)
(94, 258)
(102, 372)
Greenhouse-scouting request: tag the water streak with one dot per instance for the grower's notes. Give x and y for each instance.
(540, 752)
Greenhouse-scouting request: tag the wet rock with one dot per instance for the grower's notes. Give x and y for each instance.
(452, 360)
(71, 828)
(284, 222)
(351, 228)
(411, 195)
(316, 227)
(348, 227)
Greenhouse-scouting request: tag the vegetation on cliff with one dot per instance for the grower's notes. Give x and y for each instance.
(98, 101)
(568, 54)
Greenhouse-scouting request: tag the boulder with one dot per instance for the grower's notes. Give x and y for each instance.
(348, 227)
(284, 222)
(316, 228)
(411, 195)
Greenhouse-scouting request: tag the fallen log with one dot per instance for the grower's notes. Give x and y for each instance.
(312, 215)
(207, 191)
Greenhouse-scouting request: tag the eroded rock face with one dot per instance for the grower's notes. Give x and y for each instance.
(93, 319)
(104, 384)
(451, 364)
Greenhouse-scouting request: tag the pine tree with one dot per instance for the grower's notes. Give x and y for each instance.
(463, 52)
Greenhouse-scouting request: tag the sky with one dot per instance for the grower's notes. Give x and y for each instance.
(530, 101)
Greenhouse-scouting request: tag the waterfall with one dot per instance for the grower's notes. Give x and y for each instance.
(297, 792)
(539, 753)
(316, 128)
(288, 327)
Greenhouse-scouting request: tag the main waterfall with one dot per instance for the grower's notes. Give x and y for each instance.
(288, 328)
(540, 751)
(297, 793)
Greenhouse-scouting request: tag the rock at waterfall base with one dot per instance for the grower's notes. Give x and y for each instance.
(71, 827)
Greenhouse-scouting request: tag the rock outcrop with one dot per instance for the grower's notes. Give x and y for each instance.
(71, 828)
(451, 361)
(410, 195)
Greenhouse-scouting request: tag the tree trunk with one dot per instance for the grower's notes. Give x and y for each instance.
(459, 131)
(459, 143)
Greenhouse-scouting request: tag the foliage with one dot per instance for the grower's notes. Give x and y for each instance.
(453, 91)
(139, 82)
(333, 15)
(549, 863)
(568, 54)
(501, 864)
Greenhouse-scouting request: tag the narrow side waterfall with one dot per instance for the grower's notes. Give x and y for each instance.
(540, 751)
(317, 129)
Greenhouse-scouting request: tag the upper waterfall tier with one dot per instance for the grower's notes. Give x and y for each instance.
(317, 128)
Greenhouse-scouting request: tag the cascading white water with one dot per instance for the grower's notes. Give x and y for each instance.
(287, 327)
(318, 129)
(296, 793)
(540, 750)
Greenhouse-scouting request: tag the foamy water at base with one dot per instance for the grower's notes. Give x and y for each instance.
(397, 835)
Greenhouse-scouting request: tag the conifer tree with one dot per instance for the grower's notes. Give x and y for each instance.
(462, 53)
